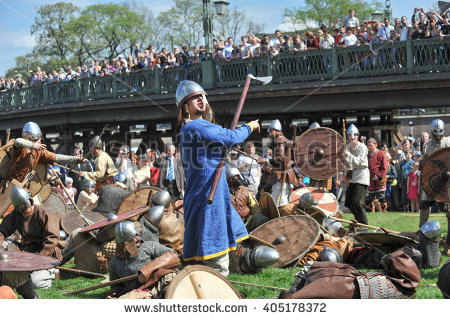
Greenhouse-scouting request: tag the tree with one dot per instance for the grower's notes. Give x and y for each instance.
(53, 38)
(114, 28)
(183, 22)
(318, 12)
(234, 23)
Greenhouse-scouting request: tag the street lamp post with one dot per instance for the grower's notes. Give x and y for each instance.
(220, 7)
(388, 10)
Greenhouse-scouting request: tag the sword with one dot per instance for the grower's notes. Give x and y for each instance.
(264, 80)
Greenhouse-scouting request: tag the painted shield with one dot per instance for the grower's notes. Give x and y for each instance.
(139, 198)
(377, 239)
(56, 204)
(326, 202)
(268, 206)
(125, 216)
(319, 153)
(23, 261)
(201, 282)
(435, 175)
(291, 236)
(72, 220)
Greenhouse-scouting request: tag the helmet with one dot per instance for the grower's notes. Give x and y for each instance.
(276, 125)
(352, 130)
(161, 198)
(125, 231)
(19, 196)
(331, 225)
(62, 235)
(431, 230)
(90, 184)
(332, 254)
(231, 171)
(111, 216)
(31, 131)
(437, 127)
(155, 214)
(263, 256)
(314, 125)
(307, 201)
(187, 89)
(95, 142)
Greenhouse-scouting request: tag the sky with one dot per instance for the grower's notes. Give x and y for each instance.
(17, 16)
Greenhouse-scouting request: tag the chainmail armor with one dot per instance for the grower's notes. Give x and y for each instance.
(430, 252)
(119, 268)
(149, 231)
(378, 286)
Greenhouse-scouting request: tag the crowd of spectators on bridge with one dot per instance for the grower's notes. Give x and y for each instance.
(349, 32)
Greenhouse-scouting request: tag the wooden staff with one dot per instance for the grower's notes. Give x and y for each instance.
(294, 137)
(102, 285)
(70, 198)
(110, 283)
(68, 168)
(364, 225)
(81, 272)
(246, 154)
(8, 133)
(237, 114)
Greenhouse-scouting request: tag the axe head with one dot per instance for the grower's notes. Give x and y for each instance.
(264, 79)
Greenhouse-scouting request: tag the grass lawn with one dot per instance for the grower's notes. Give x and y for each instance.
(272, 277)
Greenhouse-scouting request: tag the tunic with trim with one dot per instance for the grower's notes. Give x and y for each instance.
(210, 230)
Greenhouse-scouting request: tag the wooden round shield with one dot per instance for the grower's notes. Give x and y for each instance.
(72, 220)
(325, 201)
(125, 216)
(291, 236)
(201, 282)
(319, 153)
(434, 178)
(56, 204)
(376, 239)
(23, 261)
(139, 198)
(43, 194)
(268, 206)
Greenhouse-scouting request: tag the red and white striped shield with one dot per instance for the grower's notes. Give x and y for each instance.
(326, 202)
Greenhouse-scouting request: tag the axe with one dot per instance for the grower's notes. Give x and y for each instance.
(265, 80)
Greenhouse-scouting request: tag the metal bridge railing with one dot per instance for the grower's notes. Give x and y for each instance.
(407, 57)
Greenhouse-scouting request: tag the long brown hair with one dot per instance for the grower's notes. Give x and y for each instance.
(184, 117)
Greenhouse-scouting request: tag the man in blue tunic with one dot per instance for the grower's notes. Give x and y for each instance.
(211, 231)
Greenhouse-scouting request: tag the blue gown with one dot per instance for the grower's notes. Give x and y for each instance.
(210, 230)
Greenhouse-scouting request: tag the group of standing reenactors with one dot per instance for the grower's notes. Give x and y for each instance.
(212, 231)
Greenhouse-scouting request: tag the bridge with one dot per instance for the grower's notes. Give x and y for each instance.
(321, 85)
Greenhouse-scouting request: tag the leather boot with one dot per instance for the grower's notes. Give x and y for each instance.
(26, 290)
